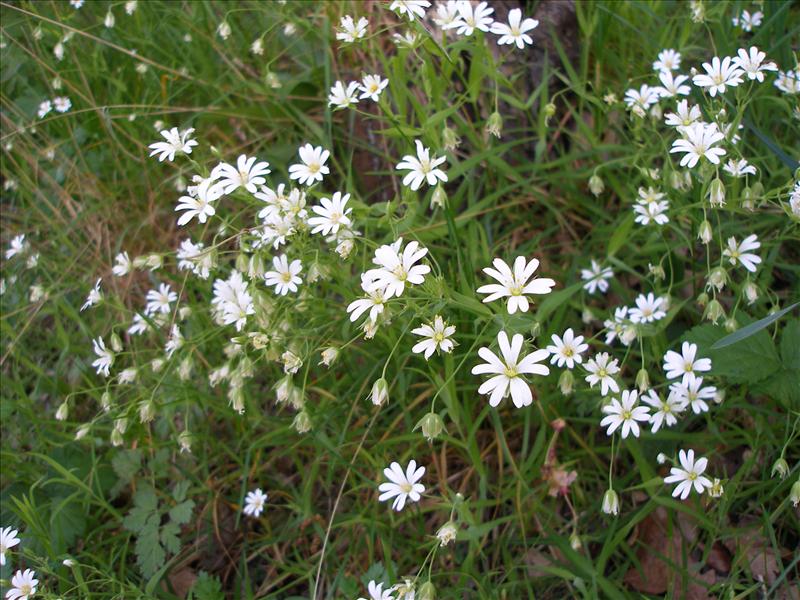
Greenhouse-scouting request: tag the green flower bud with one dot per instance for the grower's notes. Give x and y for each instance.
(432, 426)
(242, 262)
(63, 411)
(751, 292)
(575, 541)
(105, 401)
(611, 503)
(716, 193)
(329, 356)
(549, 111)
(185, 440)
(536, 329)
(780, 468)
(302, 422)
(794, 495)
(380, 391)
(115, 343)
(596, 185)
(718, 278)
(439, 197)
(566, 382)
(494, 125)
(702, 299)
(731, 325)
(705, 234)
(714, 311)
(427, 591)
(643, 380)
(450, 139)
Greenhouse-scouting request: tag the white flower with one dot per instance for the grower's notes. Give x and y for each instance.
(408, 39)
(654, 212)
(109, 21)
(692, 392)
(23, 585)
(62, 104)
(122, 264)
(285, 277)
(753, 64)
(516, 30)
(446, 13)
(350, 31)
(698, 142)
(788, 82)
(194, 258)
(254, 503)
(44, 109)
(567, 350)
(718, 75)
(672, 85)
(376, 592)
(95, 296)
(421, 168)
(198, 204)
(332, 214)
(374, 303)
(8, 539)
(596, 278)
(248, 173)
(644, 97)
(688, 475)
(158, 301)
(273, 198)
(105, 357)
(176, 141)
(514, 284)
(396, 268)
(740, 253)
(668, 60)
(447, 533)
(76, 4)
(739, 168)
(232, 300)
(648, 309)
(17, 246)
(139, 325)
(665, 411)
(471, 18)
(747, 21)
(410, 8)
(507, 371)
(437, 336)
(372, 86)
(341, 96)
(313, 166)
(276, 229)
(624, 414)
(685, 116)
(601, 369)
(130, 7)
(223, 30)
(685, 365)
(402, 486)
(257, 47)
(127, 375)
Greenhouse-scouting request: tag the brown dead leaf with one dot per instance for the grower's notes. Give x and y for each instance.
(182, 581)
(661, 557)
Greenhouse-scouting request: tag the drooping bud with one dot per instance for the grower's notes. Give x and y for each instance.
(780, 468)
(794, 495)
(549, 112)
(432, 426)
(714, 311)
(750, 292)
(705, 233)
(329, 356)
(575, 541)
(450, 139)
(447, 533)
(643, 380)
(566, 382)
(439, 197)
(702, 300)
(718, 278)
(731, 325)
(661, 458)
(63, 411)
(611, 503)
(302, 422)
(427, 591)
(185, 441)
(115, 343)
(596, 185)
(380, 391)
(716, 192)
(494, 125)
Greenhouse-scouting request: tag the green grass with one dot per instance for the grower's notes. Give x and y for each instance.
(323, 533)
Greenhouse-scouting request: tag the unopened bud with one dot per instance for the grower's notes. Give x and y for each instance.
(596, 185)
(611, 503)
(185, 441)
(105, 401)
(731, 325)
(147, 411)
(329, 356)
(575, 542)
(154, 261)
(566, 382)
(115, 343)
(63, 411)
(718, 278)
(302, 422)
(702, 300)
(549, 111)
(494, 125)
(750, 292)
(536, 329)
(450, 139)
(714, 311)
(705, 234)
(794, 495)
(661, 458)
(780, 468)
(432, 426)
(380, 391)
(643, 380)
(716, 193)
(439, 197)
(427, 591)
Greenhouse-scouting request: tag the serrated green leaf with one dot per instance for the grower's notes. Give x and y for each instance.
(150, 555)
(179, 491)
(126, 464)
(181, 513)
(136, 519)
(170, 539)
(145, 498)
(206, 587)
(751, 329)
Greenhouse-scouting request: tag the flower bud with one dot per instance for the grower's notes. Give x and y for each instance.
(157, 364)
(427, 591)
(780, 468)
(63, 411)
(536, 329)
(432, 426)
(719, 396)
(154, 262)
(731, 325)
(283, 389)
(657, 271)
(115, 343)
(147, 411)
(291, 362)
(716, 193)
(549, 111)
(794, 495)
(439, 197)
(105, 401)
(611, 503)
(628, 335)
(705, 234)
(750, 292)
(643, 380)
(450, 139)
(566, 382)
(656, 112)
(82, 431)
(676, 181)
(380, 391)
(596, 185)
(329, 356)
(242, 262)
(716, 490)
(185, 368)
(587, 316)
(447, 533)
(575, 541)
(302, 422)
(661, 458)
(494, 125)
(714, 311)
(116, 438)
(702, 300)
(717, 278)
(185, 441)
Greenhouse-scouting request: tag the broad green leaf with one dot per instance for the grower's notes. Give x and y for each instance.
(748, 330)
(181, 513)
(149, 554)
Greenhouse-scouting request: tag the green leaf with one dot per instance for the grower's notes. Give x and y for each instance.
(752, 328)
(742, 363)
(126, 464)
(206, 587)
(181, 513)
(179, 491)
(620, 235)
(149, 554)
(556, 299)
(170, 539)
(790, 345)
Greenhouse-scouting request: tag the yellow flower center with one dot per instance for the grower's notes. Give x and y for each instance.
(287, 277)
(510, 372)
